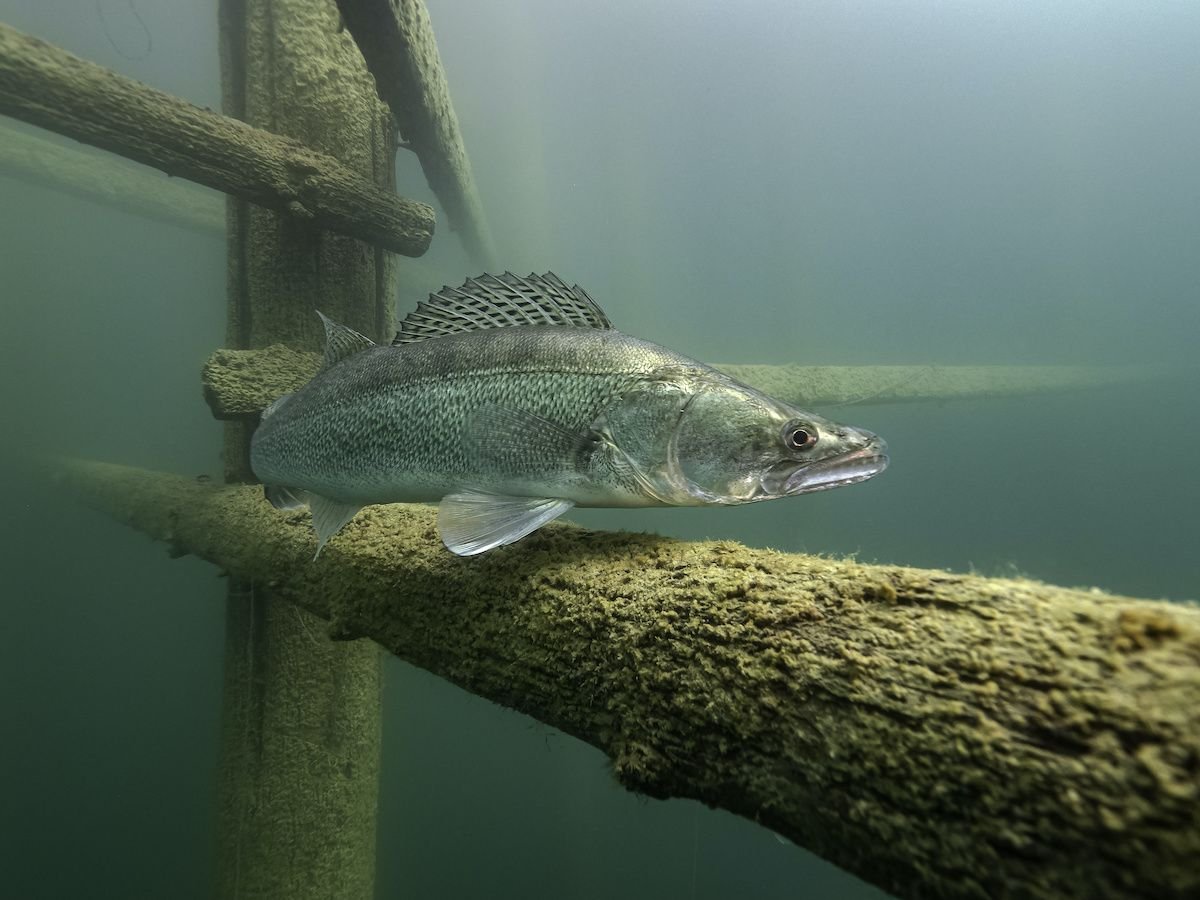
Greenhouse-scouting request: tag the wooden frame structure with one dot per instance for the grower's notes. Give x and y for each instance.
(939, 735)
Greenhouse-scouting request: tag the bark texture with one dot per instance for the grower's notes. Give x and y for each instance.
(301, 732)
(396, 39)
(46, 86)
(939, 735)
(241, 383)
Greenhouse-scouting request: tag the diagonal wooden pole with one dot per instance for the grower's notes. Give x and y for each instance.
(300, 726)
(397, 42)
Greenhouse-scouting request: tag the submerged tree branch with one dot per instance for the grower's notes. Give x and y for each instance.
(243, 382)
(939, 735)
(46, 86)
(109, 180)
(114, 182)
(397, 42)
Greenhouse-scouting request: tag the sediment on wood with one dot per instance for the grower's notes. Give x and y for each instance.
(937, 734)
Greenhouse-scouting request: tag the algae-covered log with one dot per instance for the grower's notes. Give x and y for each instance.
(242, 382)
(109, 180)
(939, 735)
(301, 729)
(397, 42)
(114, 182)
(49, 87)
(823, 385)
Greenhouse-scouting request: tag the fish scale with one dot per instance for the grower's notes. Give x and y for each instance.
(409, 408)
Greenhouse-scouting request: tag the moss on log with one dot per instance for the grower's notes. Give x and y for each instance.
(240, 383)
(49, 87)
(397, 42)
(939, 735)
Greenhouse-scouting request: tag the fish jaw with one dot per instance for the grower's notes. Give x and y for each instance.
(851, 467)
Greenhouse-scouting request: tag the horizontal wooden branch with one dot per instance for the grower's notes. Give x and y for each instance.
(939, 735)
(46, 86)
(397, 42)
(109, 180)
(242, 382)
(117, 183)
(828, 385)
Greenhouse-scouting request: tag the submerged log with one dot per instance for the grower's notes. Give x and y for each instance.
(109, 180)
(939, 735)
(114, 182)
(240, 383)
(397, 42)
(829, 385)
(49, 87)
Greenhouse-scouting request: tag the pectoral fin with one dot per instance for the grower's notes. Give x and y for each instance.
(473, 522)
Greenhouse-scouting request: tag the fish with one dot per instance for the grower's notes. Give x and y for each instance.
(509, 400)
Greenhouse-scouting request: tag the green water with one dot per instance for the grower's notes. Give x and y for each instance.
(811, 182)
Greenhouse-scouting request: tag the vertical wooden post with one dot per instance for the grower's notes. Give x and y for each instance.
(300, 744)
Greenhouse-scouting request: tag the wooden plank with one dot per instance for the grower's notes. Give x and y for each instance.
(49, 87)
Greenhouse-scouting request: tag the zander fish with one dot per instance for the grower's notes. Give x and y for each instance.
(510, 400)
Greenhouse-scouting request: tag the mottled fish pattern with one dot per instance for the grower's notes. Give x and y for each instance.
(509, 400)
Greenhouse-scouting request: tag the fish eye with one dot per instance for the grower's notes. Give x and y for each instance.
(798, 436)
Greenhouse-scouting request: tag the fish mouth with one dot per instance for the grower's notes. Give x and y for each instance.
(838, 471)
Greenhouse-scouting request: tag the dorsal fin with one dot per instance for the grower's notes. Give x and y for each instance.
(499, 301)
(341, 341)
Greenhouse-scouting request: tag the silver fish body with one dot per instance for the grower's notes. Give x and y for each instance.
(508, 423)
(426, 419)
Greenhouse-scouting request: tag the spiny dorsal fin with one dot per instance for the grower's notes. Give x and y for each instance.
(499, 301)
(341, 341)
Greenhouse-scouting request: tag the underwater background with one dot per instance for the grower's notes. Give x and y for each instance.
(912, 182)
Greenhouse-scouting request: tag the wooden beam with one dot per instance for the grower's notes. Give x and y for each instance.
(240, 383)
(301, 732)
(397, 42)
(109, 180)
(939, 735)
(831, 385)
(49, 87)
(114, 182)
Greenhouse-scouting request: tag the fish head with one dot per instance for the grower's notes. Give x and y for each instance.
(713, 440)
